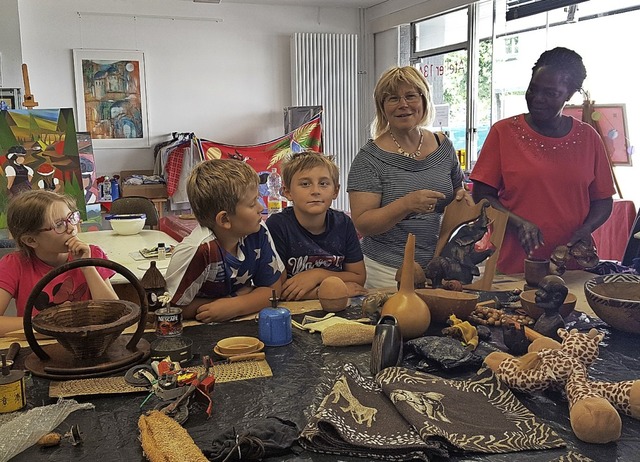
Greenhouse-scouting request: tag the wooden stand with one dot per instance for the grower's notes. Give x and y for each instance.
(29, 100)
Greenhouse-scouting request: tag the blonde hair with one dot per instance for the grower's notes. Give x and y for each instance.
(388, 84)
(306, 161)
(31, 211)
(218, 185)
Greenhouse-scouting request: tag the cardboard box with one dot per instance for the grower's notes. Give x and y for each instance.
(150, 191)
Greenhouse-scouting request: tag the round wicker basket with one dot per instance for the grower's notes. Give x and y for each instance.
(86, 329)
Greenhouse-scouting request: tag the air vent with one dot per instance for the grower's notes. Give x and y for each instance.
(207, 1)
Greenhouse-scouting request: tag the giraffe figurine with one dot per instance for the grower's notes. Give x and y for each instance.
(593, 405)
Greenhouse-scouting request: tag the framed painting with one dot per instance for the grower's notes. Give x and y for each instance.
(9, 98)
(611, 123)
(111, 97)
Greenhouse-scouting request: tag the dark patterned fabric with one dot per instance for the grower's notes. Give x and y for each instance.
(356, 419)
(407, 414)
(572, 457)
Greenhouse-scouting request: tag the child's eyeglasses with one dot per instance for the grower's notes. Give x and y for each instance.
(60, 226)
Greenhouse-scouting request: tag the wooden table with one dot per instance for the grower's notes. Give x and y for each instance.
(119, 249)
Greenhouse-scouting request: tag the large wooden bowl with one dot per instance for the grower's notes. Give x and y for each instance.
(528, 303)
(615, 298)
(443, 303)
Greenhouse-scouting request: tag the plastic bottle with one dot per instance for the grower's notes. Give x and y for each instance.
(274, 184)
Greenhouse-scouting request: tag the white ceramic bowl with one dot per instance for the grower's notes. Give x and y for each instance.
(127, 224)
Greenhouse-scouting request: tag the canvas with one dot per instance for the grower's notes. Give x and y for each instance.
(49, 156)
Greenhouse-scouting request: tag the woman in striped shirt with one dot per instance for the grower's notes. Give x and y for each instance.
(401, 180)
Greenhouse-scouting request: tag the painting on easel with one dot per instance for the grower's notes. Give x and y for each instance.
(39, 150)
(610, 122)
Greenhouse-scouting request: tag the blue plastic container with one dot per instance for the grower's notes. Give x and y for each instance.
(274, 326)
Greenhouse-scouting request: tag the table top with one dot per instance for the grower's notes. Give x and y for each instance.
(119, 249)
(303, 373)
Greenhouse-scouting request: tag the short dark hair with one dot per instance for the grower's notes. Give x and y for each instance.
(566, 61)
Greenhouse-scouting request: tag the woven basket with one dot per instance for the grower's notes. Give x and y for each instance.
(86, 329)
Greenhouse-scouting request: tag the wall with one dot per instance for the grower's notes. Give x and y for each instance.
(226, 81)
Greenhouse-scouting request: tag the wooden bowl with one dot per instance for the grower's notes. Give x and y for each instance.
(528, 302)
(443, 303)
(615, 298)
(238, 345)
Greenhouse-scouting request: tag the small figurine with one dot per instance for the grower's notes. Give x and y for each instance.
(550, 296)
(459, 258)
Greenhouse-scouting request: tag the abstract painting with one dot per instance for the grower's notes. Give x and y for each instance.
(38, 150)
(111, 97)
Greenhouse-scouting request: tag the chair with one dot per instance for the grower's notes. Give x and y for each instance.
(136, 204)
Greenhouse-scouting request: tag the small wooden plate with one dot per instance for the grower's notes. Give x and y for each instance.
(259, 347)
(238, 345)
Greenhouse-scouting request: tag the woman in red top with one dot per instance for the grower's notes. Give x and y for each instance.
(548, 170)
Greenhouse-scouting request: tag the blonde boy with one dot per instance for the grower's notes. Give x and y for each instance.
(228, 266)
(313, 240)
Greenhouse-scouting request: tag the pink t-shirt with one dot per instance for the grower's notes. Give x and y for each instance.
(548, 181)
(19, 275)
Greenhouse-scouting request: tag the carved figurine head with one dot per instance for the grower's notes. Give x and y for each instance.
(551, 293)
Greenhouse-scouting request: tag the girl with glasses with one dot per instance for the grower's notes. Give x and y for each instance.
(44, 227)
(402, 178)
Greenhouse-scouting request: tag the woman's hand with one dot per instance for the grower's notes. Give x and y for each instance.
(423, 200)
(463, 194)
(529, 235)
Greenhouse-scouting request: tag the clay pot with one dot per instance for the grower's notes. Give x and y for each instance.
(535, 270)
(411, 312)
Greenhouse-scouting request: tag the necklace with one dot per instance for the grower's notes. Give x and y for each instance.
(410, 155)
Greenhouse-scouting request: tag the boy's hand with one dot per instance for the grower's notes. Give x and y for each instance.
(213, 311)
(77, 248)
(296, 287)
(355, 289)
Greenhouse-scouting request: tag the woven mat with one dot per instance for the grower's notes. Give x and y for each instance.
(228, 372)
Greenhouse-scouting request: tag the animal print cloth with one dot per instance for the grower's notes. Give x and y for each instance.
(406, 414)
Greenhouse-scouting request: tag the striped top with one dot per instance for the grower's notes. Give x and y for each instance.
(393, 176)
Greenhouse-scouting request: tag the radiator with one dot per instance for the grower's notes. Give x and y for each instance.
(324, 72)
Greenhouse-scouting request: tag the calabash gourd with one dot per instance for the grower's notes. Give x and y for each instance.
(411, 312)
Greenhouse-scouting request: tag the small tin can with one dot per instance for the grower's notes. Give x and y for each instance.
(168, 322)
(12, 391)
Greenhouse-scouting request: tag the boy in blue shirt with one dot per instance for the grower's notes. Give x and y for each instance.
(228, 266)
(313, 240)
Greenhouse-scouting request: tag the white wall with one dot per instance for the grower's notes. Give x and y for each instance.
(227, 81)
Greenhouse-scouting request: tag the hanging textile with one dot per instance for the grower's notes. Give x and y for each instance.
(263, 157)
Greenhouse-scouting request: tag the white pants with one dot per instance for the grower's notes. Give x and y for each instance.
(379, 276)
